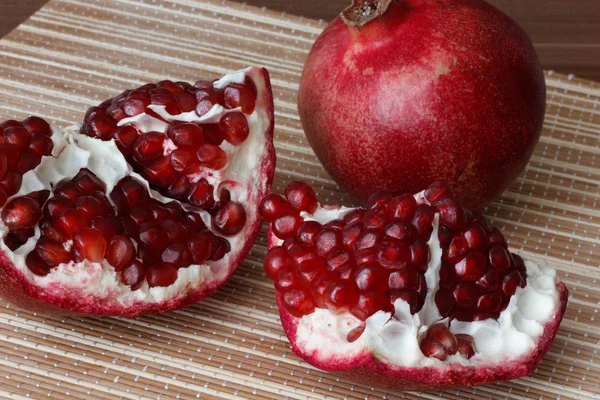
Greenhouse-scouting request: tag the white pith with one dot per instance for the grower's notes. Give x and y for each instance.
(515, 334)
(73, 151)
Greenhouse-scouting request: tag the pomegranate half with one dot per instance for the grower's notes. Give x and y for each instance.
(398, 94)
(413, 292)
(149, 206)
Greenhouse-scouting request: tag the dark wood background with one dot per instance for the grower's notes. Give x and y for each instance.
(566, 33)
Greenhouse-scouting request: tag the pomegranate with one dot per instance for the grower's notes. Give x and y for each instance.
(411, 292)
(398, 94)
(121, 216)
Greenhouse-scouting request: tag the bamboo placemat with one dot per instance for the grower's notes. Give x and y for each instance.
(75, 53)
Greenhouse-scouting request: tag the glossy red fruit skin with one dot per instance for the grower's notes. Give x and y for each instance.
(454, 78)
(19, 291)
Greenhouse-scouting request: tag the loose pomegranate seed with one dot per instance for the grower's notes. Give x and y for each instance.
(148, 147)
(202, 195)
(308, 230)
(465, 345)
(37, 125)
(298, 302)
(471, 268)
(52, 253)
(133, 275)
(87, 182)
(125, 137)
(287, 226)
(186, 135)
(240, 95)
(403, 207)
(177, 254)
(423, 219)
(11, 182)
(274, 206)
(234, 127)
(36, 264)
(185, 161)
(90, 244)
(229, 219)
(301, 196)
(70, 221)
(120, 252)
(355, 333)
(21, 213)
(212, 156)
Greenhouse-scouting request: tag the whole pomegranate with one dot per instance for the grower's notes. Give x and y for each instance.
(411, 292)
(149, 205)
(398, 94)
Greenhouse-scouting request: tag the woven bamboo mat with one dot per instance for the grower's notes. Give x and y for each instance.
(76, 53)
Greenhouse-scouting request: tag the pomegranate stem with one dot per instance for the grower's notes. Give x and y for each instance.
(362, 12)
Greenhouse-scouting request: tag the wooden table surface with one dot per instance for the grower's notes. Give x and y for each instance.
(566, 33)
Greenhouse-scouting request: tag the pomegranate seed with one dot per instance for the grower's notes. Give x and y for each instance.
(365, 256)
(87, 182)
(70, 221)
(16, 239)
(401, 231)
(433, 349)
(499, 259)
(457, 249)
(212, 134)
(166, 99)
(133, 275)
(179, 189)
(495, 238)
(11, 182)
(10, 152)
(441, 334)
(27, 161)
(129, 193)
(90, 244)
(18, 137)
(102, 127)
(476, 238)
(465, 294)
(490, 302)
(367, 305)
(274, 206)
(370, 278)
(3, 164)
(89, 205)
(219, 248)
(379, 200)
(52, 253)
(307, 232)
(350, 233)
(445, 235)
(419, 255)
(444, 301)
(200, 246)
(212, 156)
(366, 239)
(36, 264)
(125, 137)
(186, 101)
(186, 135)
(353, 216)
(301, 251)
(510, 284)
(471, 268)
(41, 145)
(207, 98)
(393, 255)
(202, 195)
(287, 226)
(229, 219)
(423, 219)
(234, 127)
(170, 86)
(298, 302)
(21, 213)
(437, 191)
(3, 197)
(341, 296)
(37, 125)
(301, 197)
(355, 333)
(176, 231)
(177, 254)
(50, 232)
(276, 260)
(452, 214)
(107, 226)
(337, 259)
(375, 218)
(68, 190)
(132, 106)
(286, 279)
(405, 279)
(465, 345)
(403, 207)
(120, 252)
(148, 147)
(193, 222)
(489, 281)
(184, 161)
(240, 95)
(518, 262)
(309, 270)
(160, 172)
(153, 237)
(327, 240)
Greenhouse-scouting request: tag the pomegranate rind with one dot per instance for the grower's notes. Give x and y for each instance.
(21, 292)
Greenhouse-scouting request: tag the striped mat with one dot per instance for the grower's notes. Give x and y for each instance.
(75, 53)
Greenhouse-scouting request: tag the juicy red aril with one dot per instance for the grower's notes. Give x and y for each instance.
(180, 188)
(465, 345)
(309, 270)
(499, 259)
(471, 268)
(375, 218)
(465, 294)
(274, 206)
(176, 231)
(433, 349)
(441, 334)
(37, 125)
(219, 247)
(401, 231)
(36, 264)
(419, 254)
(10, 152)
(153, 237)
(326, 241)
(367, 305)
(350, 233)
(27, 161)
(403, 207)
(286, 227)
(301, 197)
(393, 255)
(308, 230)
(21, 213)
(207, 98)
(70, 221)
(366, 239)
(338, 259)
(148, 147)
(212, 134)
(133, 275)
(18, 137)
(177, 254)
(41, 145)
(452, 215)
(355, 333)
(125, 137)
(341, 296)
(276, 260)
(298, 302)
(229, 219)
(404, 280)
(185, 101)
(184, 161)
(90, 205)
(202, 194)
(90, 244)
(87, 182)
(476, 238)
(120, 252)
(370, 278)
(11, 182)
(186, 135)
(437, 192)
(240, 95)
(69, 190)
(212, 156)
(490, 302)
(423, 219)
(52, 253)
(378, 199)
(457, 249)
(234, 127)
(200, 246)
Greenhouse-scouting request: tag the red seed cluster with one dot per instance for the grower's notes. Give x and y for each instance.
(371, 257)
(440, 343)
(198, 145)
(140, 237)
(362, 263)
(22, 145)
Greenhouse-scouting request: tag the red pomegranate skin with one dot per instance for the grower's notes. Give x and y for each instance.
(447, 90)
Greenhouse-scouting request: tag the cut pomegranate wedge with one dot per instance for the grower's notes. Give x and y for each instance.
(411, 292)
(149, 206)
